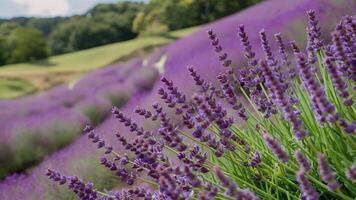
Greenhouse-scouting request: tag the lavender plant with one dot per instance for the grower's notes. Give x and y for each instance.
(262, 133)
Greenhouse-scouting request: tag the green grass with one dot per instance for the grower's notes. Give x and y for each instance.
(11, 88)
(59, 69)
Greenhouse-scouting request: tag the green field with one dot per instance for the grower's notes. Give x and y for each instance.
(21, 79)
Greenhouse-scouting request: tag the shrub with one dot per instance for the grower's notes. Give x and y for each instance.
(26, 44)
(144, 78)
(118, 96)
(295, 137)
(40, 136)
(96, 109)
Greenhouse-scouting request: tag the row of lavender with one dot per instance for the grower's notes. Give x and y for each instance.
(81, 158)
(226, 146)
(35, 126)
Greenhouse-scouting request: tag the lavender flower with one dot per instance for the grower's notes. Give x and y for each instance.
(276, 148)
(346, 39)
(249, 54)
(308, 192)
(282, 49)
(303, 161)
(267, 50)
(230, 96)
(232, 189)
(314, 31)
(295, 47)
(256, 160)
(82, 190)
(320, 103)
(204, 85)
(351, 174)
(340, 54)
(277, 90)
(337, 81)
(327, 174)
(218, 49)
(134, 193)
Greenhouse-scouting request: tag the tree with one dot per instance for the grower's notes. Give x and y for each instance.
(45, 25)
(26, 44)
(104, 24)
(3, 51)
(177, 14)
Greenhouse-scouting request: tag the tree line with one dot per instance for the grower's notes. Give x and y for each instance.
(28, 39)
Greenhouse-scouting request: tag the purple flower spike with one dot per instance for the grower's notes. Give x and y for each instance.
(81, 189)
(256, 160)
(282, 49)
(108, 149)
(314, 31)
(101, 144)
(303, 161)
(232, 189)
(327, 174)
(249, 54)
(276, 88)
(226, 182)
(88, 129)
(320, 103)
(218, 49)
(341, 56)
(351, 174)
(339, 84)
(295, 47)
(308, 192)
(276, 148)
(230, 96)
(267, 50)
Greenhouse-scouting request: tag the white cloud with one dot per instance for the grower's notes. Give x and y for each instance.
(44, 7)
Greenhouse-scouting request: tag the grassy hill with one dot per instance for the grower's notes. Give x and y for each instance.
(25, 78)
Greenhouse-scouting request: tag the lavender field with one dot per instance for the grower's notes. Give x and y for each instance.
(257, 105)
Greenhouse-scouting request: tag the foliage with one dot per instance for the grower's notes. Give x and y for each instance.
(21, 44)
(95, 109)
(103, 24)
(26, 45)
(12, 88)
(160, 16)
(118, 96)
(144, 78)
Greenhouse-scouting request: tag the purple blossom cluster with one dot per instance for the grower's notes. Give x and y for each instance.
(251, 78)
(351, 174)
(82, 190)
(223, 58)
(276, 88)
(327, 174)
(307, 190)
(232, 189)
(343, 47)
(276, 148)
(323, 108)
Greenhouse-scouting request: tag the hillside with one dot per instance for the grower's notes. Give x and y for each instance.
(26, 78)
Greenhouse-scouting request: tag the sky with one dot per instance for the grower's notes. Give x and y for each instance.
(46, 8)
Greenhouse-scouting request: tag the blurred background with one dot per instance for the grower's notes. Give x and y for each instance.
(35, 32)
(66, 63)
